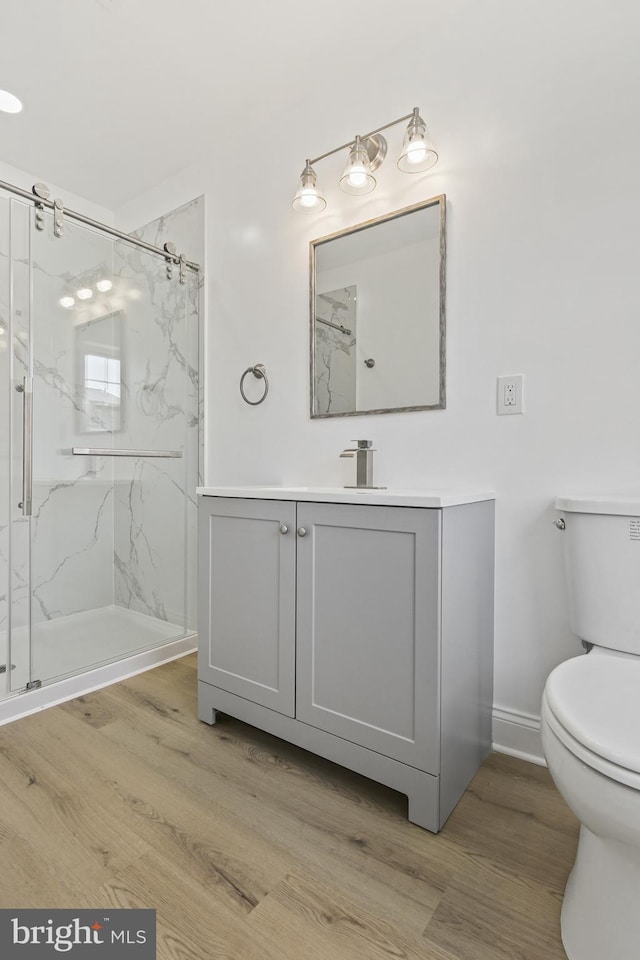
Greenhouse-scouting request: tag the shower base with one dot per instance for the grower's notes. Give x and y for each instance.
(84, 651)
(85, 640)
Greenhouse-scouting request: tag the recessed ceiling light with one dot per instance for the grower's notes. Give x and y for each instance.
(84, 293)
(67, 302)
(9, 103)
(104, 285)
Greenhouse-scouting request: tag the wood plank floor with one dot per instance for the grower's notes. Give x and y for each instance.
(251, 848)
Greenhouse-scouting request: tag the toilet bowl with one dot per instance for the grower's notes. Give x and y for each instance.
(595, 764)
(591, 729)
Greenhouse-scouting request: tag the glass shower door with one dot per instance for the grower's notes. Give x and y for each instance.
(5, 458)
(17, 287)
(108, 538)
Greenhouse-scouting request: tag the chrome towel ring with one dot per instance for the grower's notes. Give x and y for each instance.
(259, 372)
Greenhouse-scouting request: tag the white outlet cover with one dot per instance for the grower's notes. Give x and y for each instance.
(510, 398)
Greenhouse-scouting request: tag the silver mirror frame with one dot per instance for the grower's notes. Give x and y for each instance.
(439, 201)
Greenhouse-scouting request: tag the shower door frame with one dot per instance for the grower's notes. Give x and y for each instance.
(36, 220)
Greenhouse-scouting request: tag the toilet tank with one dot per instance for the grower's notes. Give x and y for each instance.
(602, 562)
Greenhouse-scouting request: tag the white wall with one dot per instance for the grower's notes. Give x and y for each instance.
(539, 144)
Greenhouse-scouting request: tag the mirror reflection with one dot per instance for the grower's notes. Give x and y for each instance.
(377, 317)
(98, 350)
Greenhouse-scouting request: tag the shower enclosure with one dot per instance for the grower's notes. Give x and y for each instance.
(99, 447)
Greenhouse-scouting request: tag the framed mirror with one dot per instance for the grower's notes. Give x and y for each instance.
(378, 315)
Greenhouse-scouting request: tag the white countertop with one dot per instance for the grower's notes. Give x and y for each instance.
(393, 496)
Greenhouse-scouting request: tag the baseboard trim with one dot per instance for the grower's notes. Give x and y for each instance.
(23, 704)
(517, 735)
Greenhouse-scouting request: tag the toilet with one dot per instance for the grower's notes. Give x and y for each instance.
(591, 726)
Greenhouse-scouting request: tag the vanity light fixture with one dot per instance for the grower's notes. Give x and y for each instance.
(309, 199)
(366, 154)
(417, 153)
(9, 103)
(357, 178)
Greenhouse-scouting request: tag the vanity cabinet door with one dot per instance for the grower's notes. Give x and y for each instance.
(247, 599)
(368, 627)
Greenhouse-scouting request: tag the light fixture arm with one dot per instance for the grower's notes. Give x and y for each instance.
(372, 133)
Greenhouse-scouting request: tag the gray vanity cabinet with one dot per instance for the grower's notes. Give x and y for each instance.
(247, 619)
(367, 626)
(360, 632)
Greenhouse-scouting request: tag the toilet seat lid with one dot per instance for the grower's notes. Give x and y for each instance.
(596, 698)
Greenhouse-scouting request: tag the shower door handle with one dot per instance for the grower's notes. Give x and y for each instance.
(26, 389)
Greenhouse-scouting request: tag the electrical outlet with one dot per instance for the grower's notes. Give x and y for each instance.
(510, 395)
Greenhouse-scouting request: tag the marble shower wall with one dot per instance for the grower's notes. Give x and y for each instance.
(73, 497)
(335, 351)
(156, 508)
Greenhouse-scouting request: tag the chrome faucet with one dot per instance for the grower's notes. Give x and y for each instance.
(363, 454)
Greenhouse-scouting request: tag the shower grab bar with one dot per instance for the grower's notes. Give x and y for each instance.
(26, 389)
(116, 452)
(335, 326)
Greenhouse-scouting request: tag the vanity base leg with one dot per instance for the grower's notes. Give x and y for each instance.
(206, 710)
(423, 807)
(207, 714)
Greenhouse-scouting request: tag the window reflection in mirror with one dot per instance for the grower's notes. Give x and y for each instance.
(98, 346)
(377, 318)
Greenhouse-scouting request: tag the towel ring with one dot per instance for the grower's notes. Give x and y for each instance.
(259, 372)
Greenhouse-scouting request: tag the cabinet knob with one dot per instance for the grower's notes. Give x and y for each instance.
(284, 528)
(302, 532)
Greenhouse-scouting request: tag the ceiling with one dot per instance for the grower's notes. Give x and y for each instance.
(121, 94)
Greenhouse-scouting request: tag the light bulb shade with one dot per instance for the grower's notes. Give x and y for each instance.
(308, 198)
(417, 153)
(357, 178)
(9, 103)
